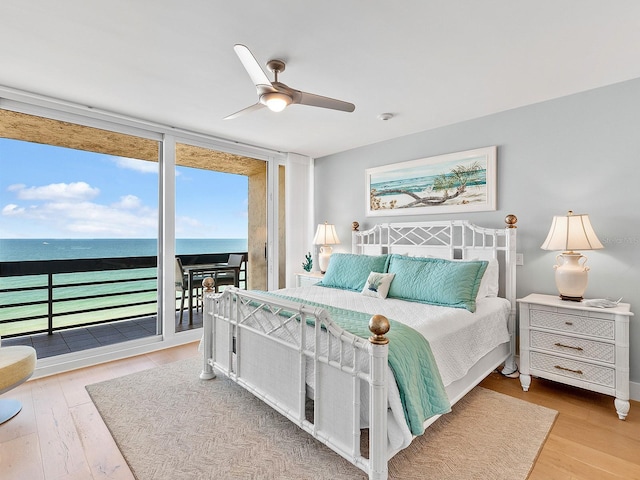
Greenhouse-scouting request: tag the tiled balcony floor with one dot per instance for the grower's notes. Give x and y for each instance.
(83, 338)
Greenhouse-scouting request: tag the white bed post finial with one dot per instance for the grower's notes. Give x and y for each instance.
(379, 326)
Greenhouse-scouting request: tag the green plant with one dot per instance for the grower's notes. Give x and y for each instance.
(308, 264)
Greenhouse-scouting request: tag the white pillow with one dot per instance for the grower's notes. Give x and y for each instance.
(377, 284)
(490, 280)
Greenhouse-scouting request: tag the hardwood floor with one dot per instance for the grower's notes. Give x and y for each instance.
(587, 441)
(59, 435)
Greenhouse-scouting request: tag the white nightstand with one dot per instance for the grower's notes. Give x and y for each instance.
(305, 279)
(582, 346)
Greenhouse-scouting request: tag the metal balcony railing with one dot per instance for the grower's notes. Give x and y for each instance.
(44, 296)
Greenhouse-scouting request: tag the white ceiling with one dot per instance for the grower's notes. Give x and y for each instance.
(429, 62)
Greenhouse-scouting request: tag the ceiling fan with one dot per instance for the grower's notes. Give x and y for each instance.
(276, 96)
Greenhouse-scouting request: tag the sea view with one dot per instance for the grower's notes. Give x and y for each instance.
(17, 250)
(12, 250)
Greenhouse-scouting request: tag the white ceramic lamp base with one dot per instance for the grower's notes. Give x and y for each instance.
(323, 257)
(571, 275)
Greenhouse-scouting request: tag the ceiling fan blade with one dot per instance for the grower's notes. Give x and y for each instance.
(256, 106)
(251, 65)
(314, 100)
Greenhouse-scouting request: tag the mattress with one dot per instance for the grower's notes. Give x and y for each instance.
(458, 338)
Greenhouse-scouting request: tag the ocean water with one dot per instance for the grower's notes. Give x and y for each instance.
(115, 294)
(16, 250)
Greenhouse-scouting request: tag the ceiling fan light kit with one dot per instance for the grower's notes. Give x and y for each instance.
(277, 96)
(275, 101)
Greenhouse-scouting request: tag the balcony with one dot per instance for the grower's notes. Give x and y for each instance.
(64, 306)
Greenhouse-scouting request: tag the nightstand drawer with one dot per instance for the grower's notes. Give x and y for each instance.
(573, 369)
(583, 325)
(577, 347)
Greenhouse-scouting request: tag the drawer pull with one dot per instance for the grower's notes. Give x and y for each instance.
(579, 372)
(568, 323)
(568, 346)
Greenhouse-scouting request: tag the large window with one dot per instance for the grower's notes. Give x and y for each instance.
(90, 227)
(78, 235)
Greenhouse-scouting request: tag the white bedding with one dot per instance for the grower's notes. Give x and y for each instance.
(458, 338)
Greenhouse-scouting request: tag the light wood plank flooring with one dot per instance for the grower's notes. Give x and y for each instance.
(59, 435)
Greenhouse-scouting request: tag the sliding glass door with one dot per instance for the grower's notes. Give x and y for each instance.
(90, 230)
(79, 225)
(220, 210)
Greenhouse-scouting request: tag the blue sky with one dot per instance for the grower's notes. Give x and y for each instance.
(55, 192)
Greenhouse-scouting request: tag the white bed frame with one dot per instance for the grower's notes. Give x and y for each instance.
(247, 337)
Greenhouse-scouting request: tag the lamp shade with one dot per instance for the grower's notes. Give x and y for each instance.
(571, 232)
(326, 235)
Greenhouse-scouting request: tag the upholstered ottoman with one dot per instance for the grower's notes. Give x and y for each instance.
(17, 364)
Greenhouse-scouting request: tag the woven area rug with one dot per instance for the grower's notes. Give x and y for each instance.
(171, 425)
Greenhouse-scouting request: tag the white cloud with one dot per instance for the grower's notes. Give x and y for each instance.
(128, 202)
(92, 219)
(57, 191)
(69, 210)
(12, 209)
(142, 166)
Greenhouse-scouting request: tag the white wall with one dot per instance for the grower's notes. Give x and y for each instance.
(299, 212)
(580, 153)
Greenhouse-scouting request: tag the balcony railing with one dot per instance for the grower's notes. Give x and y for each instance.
(44, 296)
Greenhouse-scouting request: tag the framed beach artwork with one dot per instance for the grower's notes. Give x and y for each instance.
(458, 182)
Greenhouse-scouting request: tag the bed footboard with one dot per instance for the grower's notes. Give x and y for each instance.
(295, 359)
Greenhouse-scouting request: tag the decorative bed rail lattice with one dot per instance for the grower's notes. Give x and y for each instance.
(286, 352)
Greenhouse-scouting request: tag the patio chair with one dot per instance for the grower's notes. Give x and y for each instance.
(228, 277)
(182, 285)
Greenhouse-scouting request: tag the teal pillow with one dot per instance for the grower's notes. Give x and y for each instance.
(436, 281)
(350, 272)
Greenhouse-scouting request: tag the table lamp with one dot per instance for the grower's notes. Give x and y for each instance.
(568, 233)
(325, 235)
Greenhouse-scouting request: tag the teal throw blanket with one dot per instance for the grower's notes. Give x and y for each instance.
(421, 389)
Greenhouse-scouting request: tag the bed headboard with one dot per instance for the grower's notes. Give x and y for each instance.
(454, 239)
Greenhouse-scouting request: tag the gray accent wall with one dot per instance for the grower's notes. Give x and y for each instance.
(580, 153)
